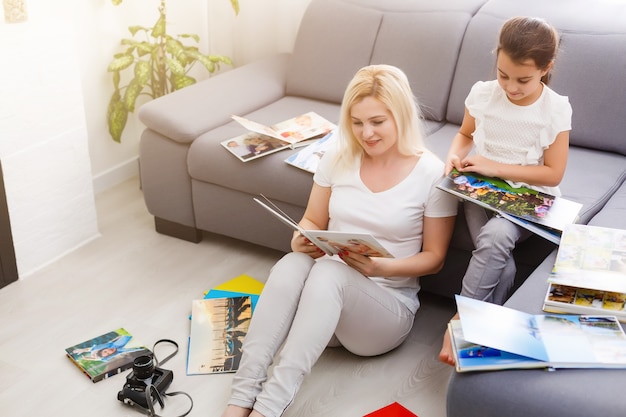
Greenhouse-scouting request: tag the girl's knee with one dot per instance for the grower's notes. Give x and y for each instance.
(499, 233)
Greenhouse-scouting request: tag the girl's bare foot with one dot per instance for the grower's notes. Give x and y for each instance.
(446, 355)
(235, 411)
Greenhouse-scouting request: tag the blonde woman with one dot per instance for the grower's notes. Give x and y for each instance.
(379, 179)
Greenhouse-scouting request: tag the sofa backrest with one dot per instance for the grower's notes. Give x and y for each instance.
(422, 37)
(589, 68)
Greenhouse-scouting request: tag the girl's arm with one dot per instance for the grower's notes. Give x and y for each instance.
(549, 174)
(461, 144)
(315, 218)
(436, 239)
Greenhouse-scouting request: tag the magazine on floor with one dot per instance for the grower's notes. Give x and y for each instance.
(218, 328)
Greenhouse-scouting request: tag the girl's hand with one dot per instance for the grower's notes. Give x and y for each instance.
(480, 165)
(366, 265)
(453, 162)
(301, 244)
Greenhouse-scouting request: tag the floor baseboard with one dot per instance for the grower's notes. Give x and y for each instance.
(116, 175)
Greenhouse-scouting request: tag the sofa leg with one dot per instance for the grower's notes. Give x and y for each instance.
(180, 231)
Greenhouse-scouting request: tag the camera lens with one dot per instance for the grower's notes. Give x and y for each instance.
(143, 367)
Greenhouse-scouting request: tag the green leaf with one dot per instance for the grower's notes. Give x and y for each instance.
(203, 59)
(136, 28)
(130, 96)
(175, 66)
(181, 81)
(116, 80)
(117, 116)
(176, 49)
(142, 72)
(145, 48)
(121, 63)
(189, 35)
(235, 4)
(159, 28)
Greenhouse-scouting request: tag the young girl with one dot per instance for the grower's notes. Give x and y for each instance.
(520, 131)
(379, 180)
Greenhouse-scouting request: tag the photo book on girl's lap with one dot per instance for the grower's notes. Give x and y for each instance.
(330, 242)
(541, 213)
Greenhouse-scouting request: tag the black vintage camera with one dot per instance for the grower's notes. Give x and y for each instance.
(143, 381)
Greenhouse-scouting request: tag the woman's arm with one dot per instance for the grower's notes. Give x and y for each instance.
(549, 174)
(315, 217)
(436, 239)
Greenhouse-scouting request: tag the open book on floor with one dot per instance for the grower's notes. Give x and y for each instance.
(330, 242)
(589, 273)
(493, 337)
(541, 213)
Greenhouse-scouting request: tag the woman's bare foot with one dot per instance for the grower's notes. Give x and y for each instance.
(446, 355)
(235, 411)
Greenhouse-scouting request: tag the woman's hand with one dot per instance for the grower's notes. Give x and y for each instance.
(366, 265)
(301, 244)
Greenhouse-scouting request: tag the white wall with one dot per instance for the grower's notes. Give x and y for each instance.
(43, 139)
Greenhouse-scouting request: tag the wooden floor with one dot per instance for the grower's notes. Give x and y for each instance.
(134, 278)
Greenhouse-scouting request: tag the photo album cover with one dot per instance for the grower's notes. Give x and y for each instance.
(106, 355)
(541, 213)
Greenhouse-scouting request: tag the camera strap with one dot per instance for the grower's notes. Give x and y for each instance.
(151, 389)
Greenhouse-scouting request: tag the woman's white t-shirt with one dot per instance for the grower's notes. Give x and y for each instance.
(394, 216)
(512, 134)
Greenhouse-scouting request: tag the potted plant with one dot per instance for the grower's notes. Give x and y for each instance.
(157, 64)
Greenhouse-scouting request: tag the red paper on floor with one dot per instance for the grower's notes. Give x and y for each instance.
(392, 410)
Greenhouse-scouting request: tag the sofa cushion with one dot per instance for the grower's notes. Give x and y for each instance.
(613, 214)
(180, 117)
(336, 38)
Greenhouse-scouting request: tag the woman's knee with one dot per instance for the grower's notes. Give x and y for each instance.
(294, 268)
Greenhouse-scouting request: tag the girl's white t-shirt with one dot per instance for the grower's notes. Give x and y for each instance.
(394, 216)
(512, 134)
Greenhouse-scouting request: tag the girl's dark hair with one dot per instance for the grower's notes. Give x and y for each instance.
(524, 38)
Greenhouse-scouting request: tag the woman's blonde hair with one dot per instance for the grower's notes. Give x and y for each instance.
(390, 86)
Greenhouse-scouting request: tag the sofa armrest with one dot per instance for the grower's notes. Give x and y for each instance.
(186, 114)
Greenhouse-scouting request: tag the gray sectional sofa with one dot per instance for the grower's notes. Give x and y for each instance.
(192, 185)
